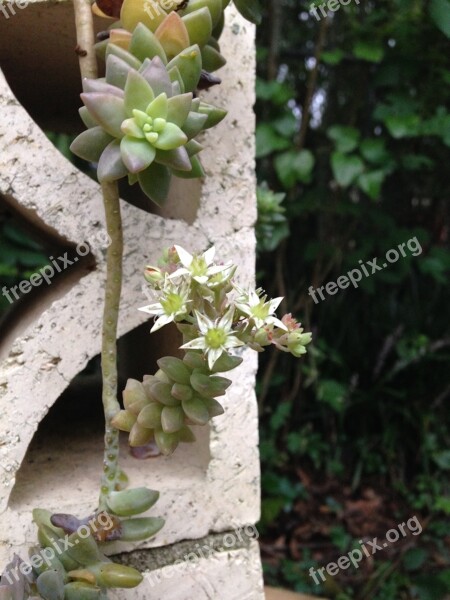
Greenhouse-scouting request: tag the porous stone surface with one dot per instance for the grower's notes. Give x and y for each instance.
(210, 486)
(231, 575)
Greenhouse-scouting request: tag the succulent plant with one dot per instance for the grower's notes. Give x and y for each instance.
(180, 394)
(199, 22)
(69, 564)
(16, 584)
(142, 117)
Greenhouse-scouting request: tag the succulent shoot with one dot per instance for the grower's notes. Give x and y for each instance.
(69, 563)
(215, 316)
(142, 118)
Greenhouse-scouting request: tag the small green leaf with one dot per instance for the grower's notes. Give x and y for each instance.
(414, 558)
(400, 126)
(371, 183)
(371, 52)
(332, 57)
(250, 10)
(440, 13)
(294, 166)
(268, 140)
(346, 168)
(155, 182)
(442, 459)
(132, 502)
(345, 138)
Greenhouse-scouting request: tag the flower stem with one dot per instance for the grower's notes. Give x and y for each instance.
(109, 335)
(84, 24)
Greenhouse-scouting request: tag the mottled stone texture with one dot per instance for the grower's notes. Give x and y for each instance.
(211, 486)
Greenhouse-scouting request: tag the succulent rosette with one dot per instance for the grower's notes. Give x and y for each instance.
(182, 393)
(200, 22)
(142, 117)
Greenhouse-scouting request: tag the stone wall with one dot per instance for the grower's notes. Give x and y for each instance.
(50, 335)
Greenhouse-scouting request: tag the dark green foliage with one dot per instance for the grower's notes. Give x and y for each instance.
(369, 171)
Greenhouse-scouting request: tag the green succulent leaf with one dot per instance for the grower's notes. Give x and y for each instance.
(112, 575)
(175, 159)
(194, 124)
(162, 392)
(150, 416)
(111, 166)
(250, 10)
(193, 147)
(196, 410)
(167, 442)
(134, 392)
(209, 386)
(159, 107)
(155, 72)
(212, 60)
(124, 420)
(87, 118)
(172, 419)
(84, 550)
(155, 182)
(100, 86)
(128, 503)
(90, 144)
(186, 435)
(144, 44)
(117, 71)
(177, 81)
(175, 369)
(107, 110)
(114, 50)
(139, 435)
(78, 590)
(137, 155)
(215, 409)
(138, 93)
(226, 362)
(141, 528)
(199, 26)
(181, 392)
(189, 63)
(194, 173)
(214, 7)
(215, 115)
(171, 137)
(178, 108)
(50, 585)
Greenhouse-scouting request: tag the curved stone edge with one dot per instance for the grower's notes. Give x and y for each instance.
(56, 193)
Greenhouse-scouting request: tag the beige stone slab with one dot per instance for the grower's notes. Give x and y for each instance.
(213, 486)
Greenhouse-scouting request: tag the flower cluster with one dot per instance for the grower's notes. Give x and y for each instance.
(215, 316)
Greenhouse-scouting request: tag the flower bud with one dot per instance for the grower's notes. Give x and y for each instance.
(153, 275)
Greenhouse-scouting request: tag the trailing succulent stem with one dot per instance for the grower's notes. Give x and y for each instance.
(109, 336)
